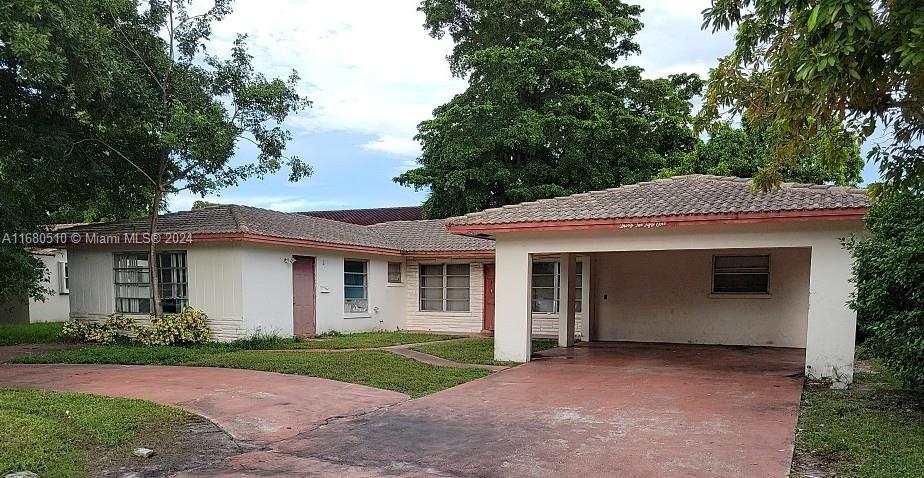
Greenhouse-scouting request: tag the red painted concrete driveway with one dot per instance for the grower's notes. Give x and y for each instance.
(626, 410)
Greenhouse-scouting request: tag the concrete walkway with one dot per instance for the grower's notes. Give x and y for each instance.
(405, 350)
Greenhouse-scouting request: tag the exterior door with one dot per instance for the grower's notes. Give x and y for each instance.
(303, 299)
(488, 322)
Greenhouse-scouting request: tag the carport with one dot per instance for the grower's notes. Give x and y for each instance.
(691, 259)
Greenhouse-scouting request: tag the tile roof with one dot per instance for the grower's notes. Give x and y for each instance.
(677, 196)
(236, 219)
(429, 236)
(368, 217)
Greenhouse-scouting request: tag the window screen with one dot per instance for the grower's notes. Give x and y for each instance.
(741, 274)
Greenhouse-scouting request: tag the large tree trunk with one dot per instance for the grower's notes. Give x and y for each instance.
(152, 253)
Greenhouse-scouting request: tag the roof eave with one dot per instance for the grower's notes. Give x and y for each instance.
(814, 215)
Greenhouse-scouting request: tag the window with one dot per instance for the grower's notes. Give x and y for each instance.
(132, 277)
(444, 287)
(64, 282)
(355, 287)
(546, 282)
(394, 272)
(741, 274)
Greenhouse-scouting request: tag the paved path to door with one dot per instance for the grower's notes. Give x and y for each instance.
(627, 410)
(257, 408)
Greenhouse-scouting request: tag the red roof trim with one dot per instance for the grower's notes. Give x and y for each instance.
(844, 214)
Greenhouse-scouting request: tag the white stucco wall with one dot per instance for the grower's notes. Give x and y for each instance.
(247, 288)
(831, 327)
(56, 306)
(665, 296)
(385, 307)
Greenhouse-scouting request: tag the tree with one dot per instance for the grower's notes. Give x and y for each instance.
(58, 67)
(744, 151)
(190, 109)
(819, 72)
(546, 112)
(202, 204)
(889, 274)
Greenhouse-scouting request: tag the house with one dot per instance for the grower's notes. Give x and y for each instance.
(691, 259)
(56, 306)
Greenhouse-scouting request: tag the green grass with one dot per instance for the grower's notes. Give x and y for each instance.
(375, 368)
(67, 434)
(37, 333)
(477, 351)
(873, 430)
(359, 340)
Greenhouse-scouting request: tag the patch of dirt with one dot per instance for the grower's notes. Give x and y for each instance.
(805, 465)
(194, 444)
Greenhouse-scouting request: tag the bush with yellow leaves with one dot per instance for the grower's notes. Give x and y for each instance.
(190, 326)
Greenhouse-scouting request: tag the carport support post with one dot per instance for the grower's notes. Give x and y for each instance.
(567, 281)
(512, 318)
(832, 325)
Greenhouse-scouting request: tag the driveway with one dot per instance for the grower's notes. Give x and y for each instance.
(256, 408)
(627, 410)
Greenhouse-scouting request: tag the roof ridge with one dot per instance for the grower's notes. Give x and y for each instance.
(236, 217)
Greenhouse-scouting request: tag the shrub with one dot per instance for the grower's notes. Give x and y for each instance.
(190, 326)
(889, 274)
(116, 326)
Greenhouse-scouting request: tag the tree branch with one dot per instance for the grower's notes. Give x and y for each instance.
(114, 150)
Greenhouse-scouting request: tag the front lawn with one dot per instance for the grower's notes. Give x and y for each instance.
(66, 435)
(375, 368)
(875, 429)
(37, 333)
(359, 340)
(476, 351)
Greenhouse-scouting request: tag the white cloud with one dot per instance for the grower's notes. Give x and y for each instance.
(394, 145)
(184, 202)
(369, 66)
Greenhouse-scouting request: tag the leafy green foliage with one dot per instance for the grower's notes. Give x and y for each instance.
(745, 151)
(58, 434)
(546, 112)
(821, 73)
(188, 327)
(59, 64)
(889, 275)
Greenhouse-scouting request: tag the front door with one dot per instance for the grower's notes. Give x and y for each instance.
(303, 310)
(488, 322)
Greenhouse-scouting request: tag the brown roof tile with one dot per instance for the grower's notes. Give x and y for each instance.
(368, 217)
(429, 236)
(677, 196)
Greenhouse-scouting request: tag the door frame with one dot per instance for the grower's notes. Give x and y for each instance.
(486, 295)
(314, 294)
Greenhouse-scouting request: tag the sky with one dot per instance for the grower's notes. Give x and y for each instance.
(373, 73)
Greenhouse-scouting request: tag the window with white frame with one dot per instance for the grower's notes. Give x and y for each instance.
(355, 286)
(394, 273)
(131, 273)
(741, 274)
(64, 283)
(444, 287)
(546, 287)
